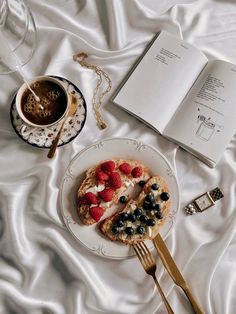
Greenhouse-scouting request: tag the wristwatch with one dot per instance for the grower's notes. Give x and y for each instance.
(203, 201)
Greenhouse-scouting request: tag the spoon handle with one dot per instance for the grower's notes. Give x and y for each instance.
(53, 148)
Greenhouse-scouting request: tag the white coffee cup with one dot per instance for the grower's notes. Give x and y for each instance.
(24, 87)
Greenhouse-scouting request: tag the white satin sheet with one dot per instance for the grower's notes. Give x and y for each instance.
(43, 269)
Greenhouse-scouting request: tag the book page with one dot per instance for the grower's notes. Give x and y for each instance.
(161, 80)
(205, 122)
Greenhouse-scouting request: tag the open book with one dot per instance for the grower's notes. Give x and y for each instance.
(177, 91)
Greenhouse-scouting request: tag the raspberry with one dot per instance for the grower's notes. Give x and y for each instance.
(101, 176)
(108, 166)
(115, 180)
(137, 172)
(89, 198)
(125, 168)
(106, 195)
(96, 212)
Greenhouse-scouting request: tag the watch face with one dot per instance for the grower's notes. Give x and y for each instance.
(203, 202)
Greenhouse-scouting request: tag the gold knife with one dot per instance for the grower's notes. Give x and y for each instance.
(174, 272)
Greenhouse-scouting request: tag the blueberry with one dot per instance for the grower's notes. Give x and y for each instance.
(158, 215)
(155, 187)
(152, 205)
(123, 199)
(143, 218)
(115, 229)
(141, 229)
(138, 212)
(141, 183)
(120, 223)
(151, 222)
(157, 207)
(147, 206)
(132, 217)
(129, 230)
(164, 196)
(149, 198)
(156, 211)
(124, 216)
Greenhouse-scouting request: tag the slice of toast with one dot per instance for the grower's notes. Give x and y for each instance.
(142, 217)
(94, 184)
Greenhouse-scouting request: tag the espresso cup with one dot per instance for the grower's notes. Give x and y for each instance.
(49, 109)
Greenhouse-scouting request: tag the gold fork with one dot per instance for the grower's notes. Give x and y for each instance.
(149, 265)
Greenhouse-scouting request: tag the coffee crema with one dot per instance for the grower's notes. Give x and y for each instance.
(50, 108)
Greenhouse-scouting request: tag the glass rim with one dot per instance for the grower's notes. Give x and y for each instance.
(29, 20)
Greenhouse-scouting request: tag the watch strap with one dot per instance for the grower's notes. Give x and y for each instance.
(192, 209)
(216, 194)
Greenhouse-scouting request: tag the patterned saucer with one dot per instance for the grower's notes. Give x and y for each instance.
(43, 137)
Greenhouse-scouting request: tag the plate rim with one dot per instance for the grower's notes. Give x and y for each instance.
(65, 220)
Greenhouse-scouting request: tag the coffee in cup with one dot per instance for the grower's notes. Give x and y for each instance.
(51, 106)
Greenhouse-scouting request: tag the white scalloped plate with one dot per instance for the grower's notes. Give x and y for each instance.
(127, 148)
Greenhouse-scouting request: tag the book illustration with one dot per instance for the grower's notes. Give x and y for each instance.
(207, 128)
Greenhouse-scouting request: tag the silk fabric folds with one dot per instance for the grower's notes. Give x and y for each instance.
(43, 269)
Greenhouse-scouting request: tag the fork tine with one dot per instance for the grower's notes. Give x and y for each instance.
(138, 246)
(145, 249)
(143, 254)
(148, 253)
(138, 252)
